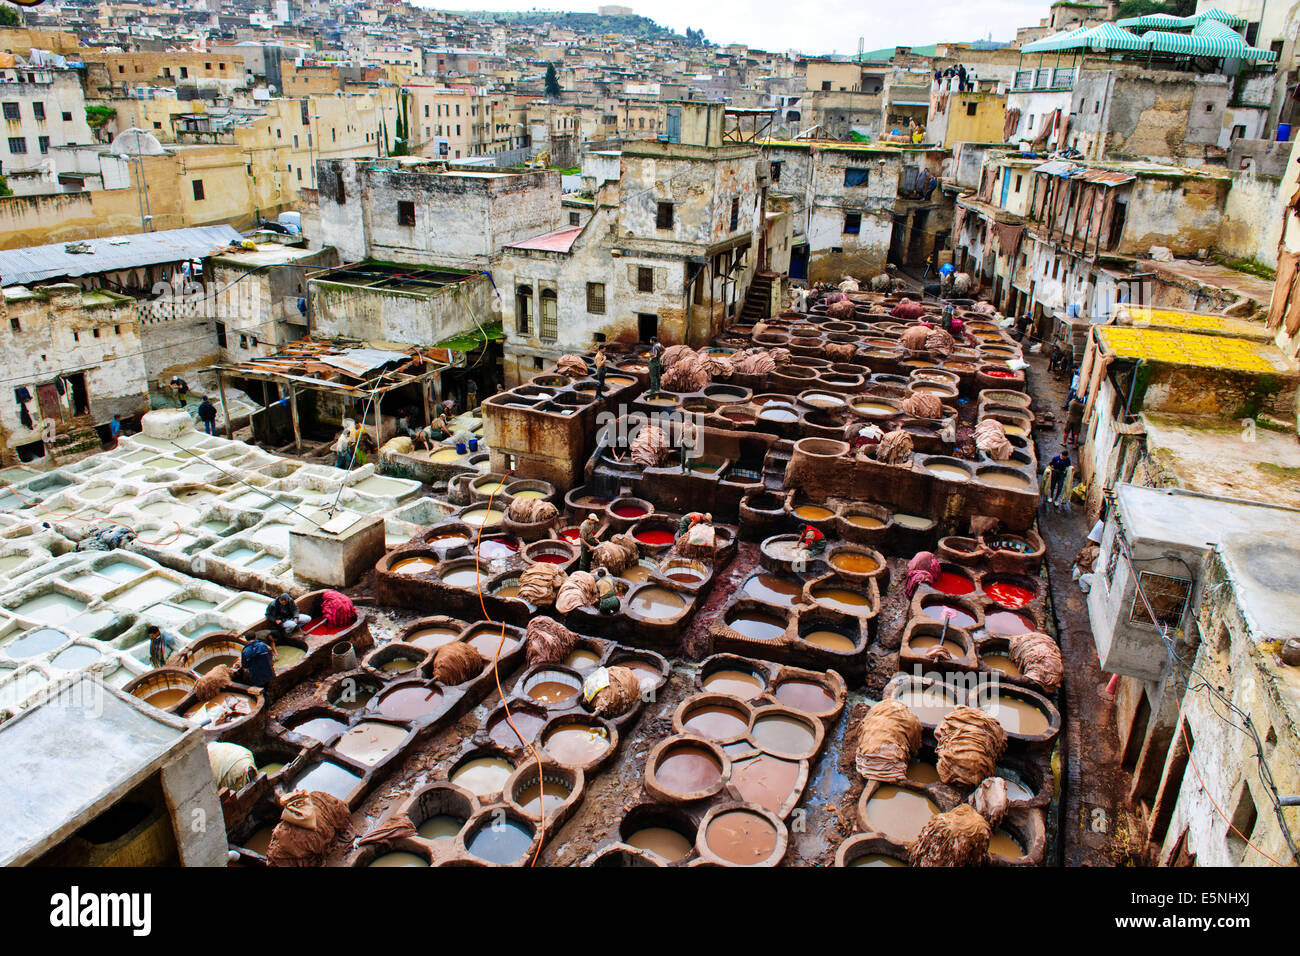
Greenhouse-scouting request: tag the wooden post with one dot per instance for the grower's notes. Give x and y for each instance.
(425, 387)
(379, 435)
(293, 415)
(225, 410)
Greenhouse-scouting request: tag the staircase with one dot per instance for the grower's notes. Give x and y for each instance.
(758, 303)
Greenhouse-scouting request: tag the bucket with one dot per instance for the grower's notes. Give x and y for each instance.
(460, 448)
(343, 656)
(1283, 132)
(473, 444)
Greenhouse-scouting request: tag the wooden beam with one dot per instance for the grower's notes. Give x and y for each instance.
(225, 409)
(293, 415)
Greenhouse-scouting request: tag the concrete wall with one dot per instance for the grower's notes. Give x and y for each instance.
(1183, 213)
(423, 318)
(1252, 219)
(58, 330)
(1156, 115)
(814, 178)
(460, 217)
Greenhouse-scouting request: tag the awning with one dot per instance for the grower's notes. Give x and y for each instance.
(1058, 41)
(1210, 38)
(1101, 38)
(1168, 20)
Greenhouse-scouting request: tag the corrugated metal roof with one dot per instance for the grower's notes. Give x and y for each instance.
(41, 263)
(1067, 170)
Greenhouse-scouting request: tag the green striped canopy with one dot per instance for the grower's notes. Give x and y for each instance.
(1058, 41)
(1105, 36)
(1168, 20)
(1210, 38)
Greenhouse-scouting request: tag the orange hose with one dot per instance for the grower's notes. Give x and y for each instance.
(496, 673)
(1192, 760)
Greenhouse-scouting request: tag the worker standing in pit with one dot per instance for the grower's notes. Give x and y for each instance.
(587, 540)
(656, 363)
(600, 370)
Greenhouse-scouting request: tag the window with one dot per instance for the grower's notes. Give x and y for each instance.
(185, 72)
(596, 298)
(971, 108)
(1244, 819)
(38, 110)
(645, 279)
(221, 335)
(1031, 121)
(67, 116)
(15, 325)
(44, 143)
(664, 216)
(855, 177)
(197, 185)
(1019, 179)
(17, 144)
(853, 222)
(1096, 107)
(1167, 596)
(776, 172)
(523, 309)
(735, 214)
(11, 111)
(575, 219)
(405, 212)
(550, 316)
(426, 110)
(1238, 132)
(826, 85)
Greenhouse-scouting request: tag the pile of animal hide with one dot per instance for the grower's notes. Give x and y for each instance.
(1039, 660)
(939, 342)
(309, 822)
(888, 738)
(620, 695)
(578, 590)
(840, 351)
(572, 366)
(907, 310)
(650, 446)
(547, 641)
(895, 448)
(923, 405)
(539, 583)
(849, 284)
(615, 554)
(969, 743)
(959, 837)
(530, 510)
(457, 662)
(687, 374)
(844, 309)
(991, 438)
(914, 337)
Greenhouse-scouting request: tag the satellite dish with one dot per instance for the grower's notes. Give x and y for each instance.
(137, 142)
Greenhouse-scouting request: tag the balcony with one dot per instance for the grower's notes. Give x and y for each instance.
(1045, 78)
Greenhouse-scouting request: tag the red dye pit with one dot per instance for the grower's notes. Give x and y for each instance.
(999, 373)
(550, 557)
(950, 582)
(319, 627)
(629, 511)
(652, 536)
(1009, 595)
(569, 534)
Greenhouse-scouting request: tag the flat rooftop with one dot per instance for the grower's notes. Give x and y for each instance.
(385, 276)
(1228, 353)
(1193, 520)
(69, 758)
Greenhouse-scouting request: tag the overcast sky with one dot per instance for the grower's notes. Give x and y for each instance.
(815, 26)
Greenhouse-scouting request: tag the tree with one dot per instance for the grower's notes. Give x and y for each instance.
(552, 82)
(9, 16)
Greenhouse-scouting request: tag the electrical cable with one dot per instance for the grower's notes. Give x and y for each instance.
(1248, 727)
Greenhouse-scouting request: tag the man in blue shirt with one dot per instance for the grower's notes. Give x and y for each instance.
(255, 662)
(115, 429)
